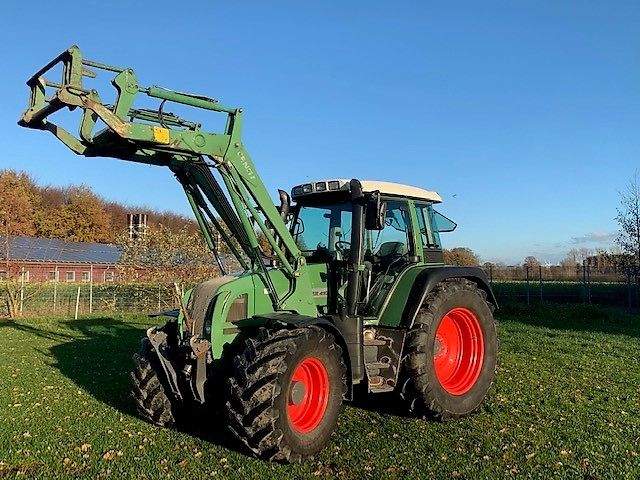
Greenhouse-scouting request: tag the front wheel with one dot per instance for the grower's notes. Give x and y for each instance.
(286, 392)
(451, 352)
(148, 391)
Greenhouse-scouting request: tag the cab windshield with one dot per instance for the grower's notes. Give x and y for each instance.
(323, 231)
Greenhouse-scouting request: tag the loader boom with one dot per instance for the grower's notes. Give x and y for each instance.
(160, 138)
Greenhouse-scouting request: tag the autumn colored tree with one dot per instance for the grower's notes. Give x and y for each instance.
(48, 219)
(461, 256)
(85, 216)
(19, 202)
(171, 220)
(71, 213)
(80, 218)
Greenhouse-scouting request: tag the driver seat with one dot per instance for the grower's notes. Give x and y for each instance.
(387, 253)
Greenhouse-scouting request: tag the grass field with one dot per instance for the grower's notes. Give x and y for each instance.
(566, 404)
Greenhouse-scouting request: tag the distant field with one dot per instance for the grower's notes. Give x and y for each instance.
(566, 404)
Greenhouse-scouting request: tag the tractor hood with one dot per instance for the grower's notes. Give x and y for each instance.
(200, 300)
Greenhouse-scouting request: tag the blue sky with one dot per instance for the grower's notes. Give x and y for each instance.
(525, 116)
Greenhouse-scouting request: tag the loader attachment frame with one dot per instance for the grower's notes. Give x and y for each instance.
(157, 137)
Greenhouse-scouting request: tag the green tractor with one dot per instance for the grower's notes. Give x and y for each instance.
(351, 294)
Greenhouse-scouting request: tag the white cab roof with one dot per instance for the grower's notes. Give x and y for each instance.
(401, 190)
(368, 186)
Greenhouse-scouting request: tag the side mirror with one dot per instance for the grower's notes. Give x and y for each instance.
(375, 214)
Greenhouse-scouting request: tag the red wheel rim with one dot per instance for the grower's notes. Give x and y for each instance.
(308, 395)
(458, 351)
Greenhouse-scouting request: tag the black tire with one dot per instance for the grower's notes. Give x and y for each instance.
(148, 391)
(260, 389)
(424, 394)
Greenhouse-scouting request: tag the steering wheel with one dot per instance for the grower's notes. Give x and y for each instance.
(342, 246)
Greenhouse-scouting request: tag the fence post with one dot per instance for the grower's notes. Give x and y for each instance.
(540, 278)
(528, 291)
(159, 306)
(91, 288)
(629, 296)
(55, 293)
(21, 290)
(636, 302)
(77, 304)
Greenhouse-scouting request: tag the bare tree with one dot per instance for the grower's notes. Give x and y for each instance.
(628, 219)
(576, 256)
(531, 262)
(164, 255)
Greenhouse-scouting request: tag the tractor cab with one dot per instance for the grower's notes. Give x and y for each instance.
(399, 226)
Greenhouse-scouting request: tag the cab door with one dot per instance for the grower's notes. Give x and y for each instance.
(388, 254)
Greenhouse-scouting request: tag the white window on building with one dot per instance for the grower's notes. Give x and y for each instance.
(86, 276)
(3, 276)
(109, 276)
(70, 276)
(54, 276)
(24, 276)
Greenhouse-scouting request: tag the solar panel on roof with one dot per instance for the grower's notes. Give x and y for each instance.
(52, 250)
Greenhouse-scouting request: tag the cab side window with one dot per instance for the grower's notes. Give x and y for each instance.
(429, 235)
(394, 240)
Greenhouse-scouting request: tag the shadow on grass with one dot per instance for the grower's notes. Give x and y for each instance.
(387, 403)
(96, 354)
(575, 317)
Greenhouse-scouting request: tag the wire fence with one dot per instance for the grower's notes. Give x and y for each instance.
(54, 298)
(511, 284)
(614, 286)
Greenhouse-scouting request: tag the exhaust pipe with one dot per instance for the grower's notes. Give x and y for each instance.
(285, 205)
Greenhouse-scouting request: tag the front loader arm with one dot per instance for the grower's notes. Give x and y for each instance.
(157, 137)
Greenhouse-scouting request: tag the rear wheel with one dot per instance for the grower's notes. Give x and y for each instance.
(286, 392)
(451, 352)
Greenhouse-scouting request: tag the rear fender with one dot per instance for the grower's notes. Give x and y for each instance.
(430, 277)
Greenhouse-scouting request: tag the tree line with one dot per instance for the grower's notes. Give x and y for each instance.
(76, 213)
(72, 213)
(464, 256)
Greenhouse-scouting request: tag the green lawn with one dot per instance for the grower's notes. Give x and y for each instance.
(566, 404)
